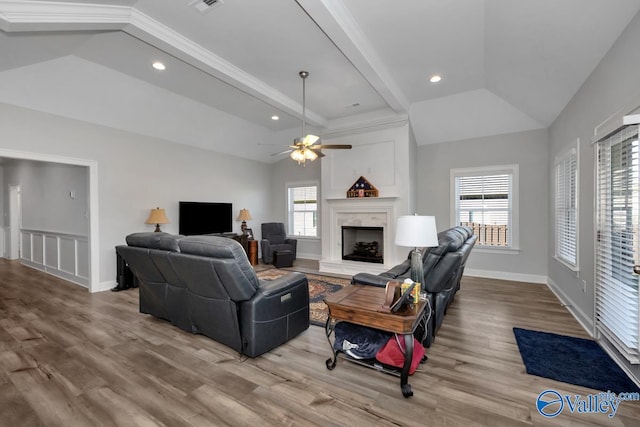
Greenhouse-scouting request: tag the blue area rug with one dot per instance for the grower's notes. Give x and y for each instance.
(571, 360)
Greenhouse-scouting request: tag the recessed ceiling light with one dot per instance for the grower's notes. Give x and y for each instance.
(275, 118)
(435, 78)
(159, 66)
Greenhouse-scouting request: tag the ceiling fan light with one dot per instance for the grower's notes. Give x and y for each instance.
(309, 154)
(310, 139)
(297, 155)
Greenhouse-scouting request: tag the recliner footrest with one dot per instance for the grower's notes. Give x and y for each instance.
(283, 259)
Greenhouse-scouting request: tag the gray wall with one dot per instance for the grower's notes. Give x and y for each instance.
(284, 172)
(613, 85)
(45, 199)
(527, 149)
(137, 173)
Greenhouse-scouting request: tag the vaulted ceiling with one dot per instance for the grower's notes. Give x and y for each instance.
(506, 65)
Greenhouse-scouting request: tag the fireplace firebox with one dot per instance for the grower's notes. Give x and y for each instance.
(363, 244)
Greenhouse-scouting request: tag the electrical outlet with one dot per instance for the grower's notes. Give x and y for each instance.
(584, 285)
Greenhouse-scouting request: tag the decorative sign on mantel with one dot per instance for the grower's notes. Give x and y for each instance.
(362, 188)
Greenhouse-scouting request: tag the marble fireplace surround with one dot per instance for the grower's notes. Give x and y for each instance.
(362, 212)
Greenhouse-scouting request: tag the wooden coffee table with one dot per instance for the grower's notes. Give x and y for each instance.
(360, 304)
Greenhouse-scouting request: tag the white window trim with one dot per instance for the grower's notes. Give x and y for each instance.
(291, 184)
(514, 170)
(560, 158)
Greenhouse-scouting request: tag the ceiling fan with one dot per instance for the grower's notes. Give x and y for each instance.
(305, 148)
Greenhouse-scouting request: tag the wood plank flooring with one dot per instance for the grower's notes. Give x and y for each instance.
(71, 358)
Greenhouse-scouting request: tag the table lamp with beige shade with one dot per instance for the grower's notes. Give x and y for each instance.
(244, 217)
(157, 216)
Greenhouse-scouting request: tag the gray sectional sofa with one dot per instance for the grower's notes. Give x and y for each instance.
(206, 285)
(443, 268)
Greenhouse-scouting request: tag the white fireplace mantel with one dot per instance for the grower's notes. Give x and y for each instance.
(364, 212)
(386, 157)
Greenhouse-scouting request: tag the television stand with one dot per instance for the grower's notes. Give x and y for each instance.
(227, 235)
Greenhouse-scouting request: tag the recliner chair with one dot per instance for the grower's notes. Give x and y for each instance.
(443, 268)
(274, 238)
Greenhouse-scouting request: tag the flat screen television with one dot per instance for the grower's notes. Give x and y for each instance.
(204, 218)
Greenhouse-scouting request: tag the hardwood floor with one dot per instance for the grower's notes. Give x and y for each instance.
(71, 358)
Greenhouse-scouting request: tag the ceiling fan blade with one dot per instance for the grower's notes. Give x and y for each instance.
(310, 140)
(281, 153)
(320, 154)
(332, 146)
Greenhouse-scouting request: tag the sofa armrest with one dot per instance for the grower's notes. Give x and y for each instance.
(369, 279)
(267, 256)
(277, 312)
(281, 285)
(294, 246)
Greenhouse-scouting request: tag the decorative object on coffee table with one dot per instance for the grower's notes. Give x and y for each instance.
(416, 231)
(157, 216)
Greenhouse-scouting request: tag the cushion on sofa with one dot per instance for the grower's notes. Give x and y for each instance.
(449, 240)
(398, 270)
(210, 246)
(226, 252)
(153, 240)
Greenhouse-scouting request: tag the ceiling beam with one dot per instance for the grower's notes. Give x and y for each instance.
(335, 20)
(17, 16)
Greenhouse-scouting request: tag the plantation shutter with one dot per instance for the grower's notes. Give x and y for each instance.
(566, 210)
(484, 203)
(618, 195)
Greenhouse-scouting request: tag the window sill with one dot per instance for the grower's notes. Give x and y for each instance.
(496, 250)
(571, 268)
(303, 237)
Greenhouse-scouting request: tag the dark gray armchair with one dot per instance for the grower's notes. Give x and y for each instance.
(443, 268)
(274, 238)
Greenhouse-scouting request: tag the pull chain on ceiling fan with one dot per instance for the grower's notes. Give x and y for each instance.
(303, 147)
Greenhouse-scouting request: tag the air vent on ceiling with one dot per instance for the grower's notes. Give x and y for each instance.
(205, 5)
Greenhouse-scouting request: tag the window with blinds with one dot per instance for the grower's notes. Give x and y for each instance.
(566, 196)
(303, 210)
(484, 202)
(617, 213)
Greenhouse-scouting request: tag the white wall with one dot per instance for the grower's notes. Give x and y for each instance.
(527, 149)
(613, 85)
(284, 172)
(45, 195)
(137, 173)
(54, 216)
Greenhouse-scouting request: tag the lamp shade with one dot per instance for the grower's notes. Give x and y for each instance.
(416, 231)
(309, 154)
(157, 216)
(297, 155)
(244, 215)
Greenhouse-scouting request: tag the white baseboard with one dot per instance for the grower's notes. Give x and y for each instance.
(576, 312)
(80, 281)
(105, 286)
(589, 327)
(619, 359)
(303, 255)
(505, 275)
(351, 268)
